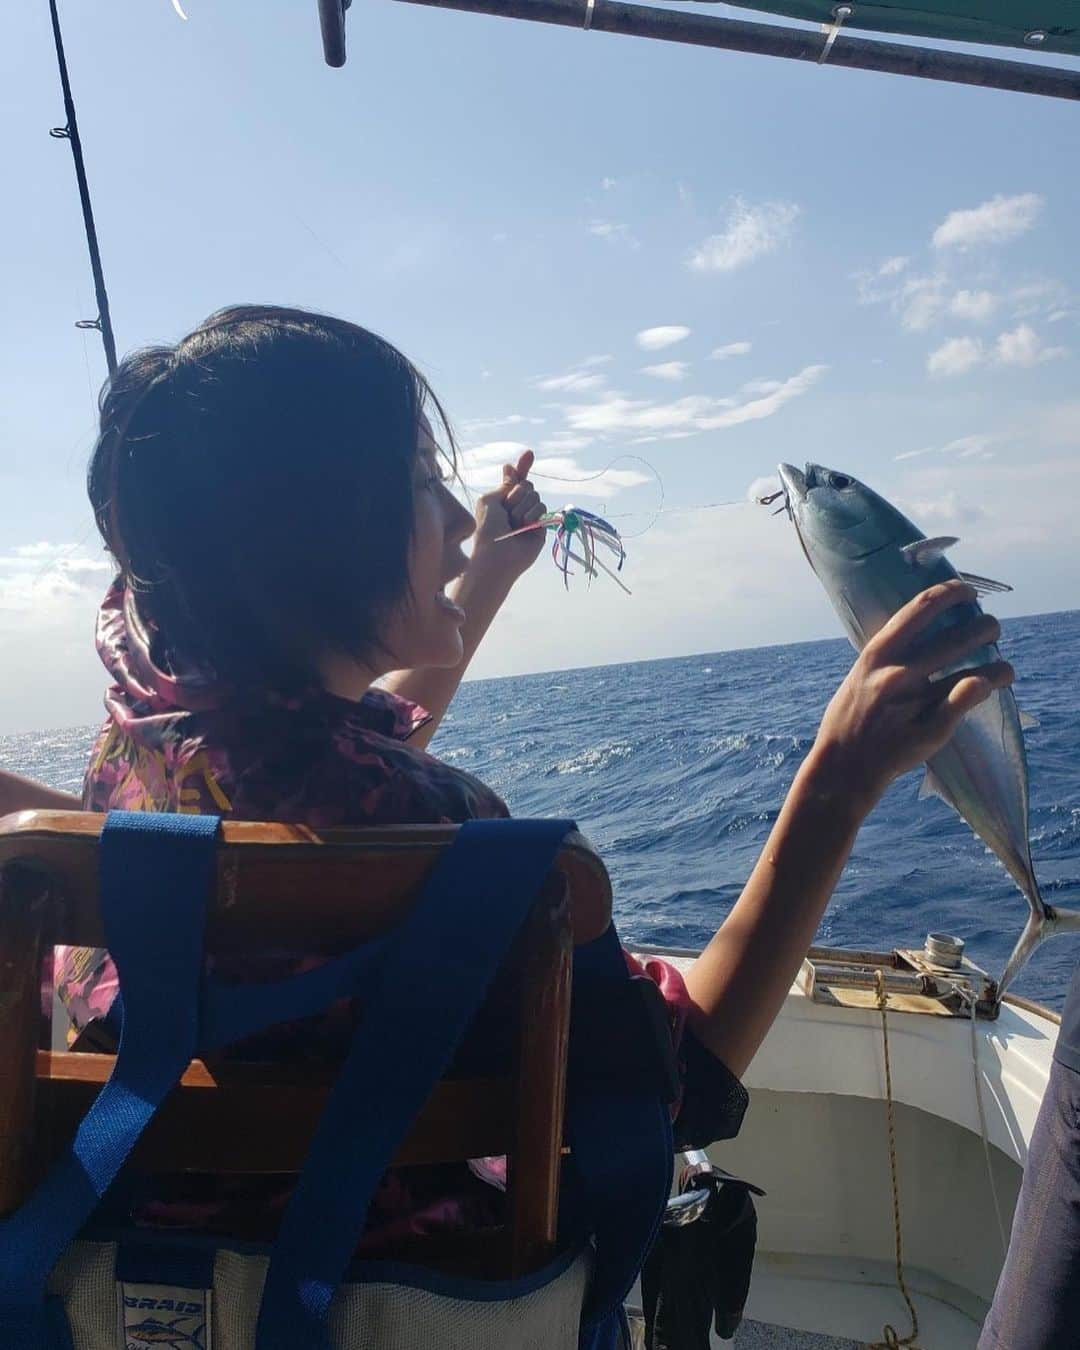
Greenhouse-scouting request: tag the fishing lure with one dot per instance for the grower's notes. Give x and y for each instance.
(574, 525)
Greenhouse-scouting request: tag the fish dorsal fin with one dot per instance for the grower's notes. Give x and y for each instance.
(1027, 721)
(932, 786)
(924, 552)
(984, 585)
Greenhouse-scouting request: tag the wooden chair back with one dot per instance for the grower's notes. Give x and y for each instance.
(290, 888)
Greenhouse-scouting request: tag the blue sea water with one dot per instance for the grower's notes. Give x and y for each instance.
(677, 769)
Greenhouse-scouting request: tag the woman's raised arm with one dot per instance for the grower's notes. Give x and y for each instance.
(886, 717)
(493, 568)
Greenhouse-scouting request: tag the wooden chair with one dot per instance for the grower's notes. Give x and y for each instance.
(287, 887)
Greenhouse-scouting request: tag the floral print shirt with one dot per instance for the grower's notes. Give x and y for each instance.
(177, 744)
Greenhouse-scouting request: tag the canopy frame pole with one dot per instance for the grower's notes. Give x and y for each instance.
(797, 44)
(332, 24)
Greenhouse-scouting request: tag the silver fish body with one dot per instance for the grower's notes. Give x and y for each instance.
(871, 561)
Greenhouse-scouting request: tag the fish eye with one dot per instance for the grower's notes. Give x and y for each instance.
(839, 481)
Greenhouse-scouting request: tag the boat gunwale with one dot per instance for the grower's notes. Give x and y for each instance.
(1016, 1000)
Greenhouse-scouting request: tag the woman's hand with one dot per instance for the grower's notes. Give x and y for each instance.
(888, 715)
(512, 505)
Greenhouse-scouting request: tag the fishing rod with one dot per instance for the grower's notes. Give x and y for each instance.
(70, 133)
(765, 39)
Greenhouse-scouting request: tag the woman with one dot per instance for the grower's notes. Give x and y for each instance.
(276, 503)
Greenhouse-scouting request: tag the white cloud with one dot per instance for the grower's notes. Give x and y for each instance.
(564, 442)
(892, 267)
(969, 447)
(948, 509)
(955, 357)
(569, 476)
(976, 306)
(762, 487)
(750, 232)
(963, 447)
(616, 230)
(668, 370)
(592, 361)
(994, 222)
(616, 413)
(491, 452)
(762, 386)
(48, 582)
(920, 302)
(730, 349)
(573, 382)
(481, 468)
(871, 289)
(606, 184)
(666, 335)
(475, 426)
(1024, 347)
(560, 478)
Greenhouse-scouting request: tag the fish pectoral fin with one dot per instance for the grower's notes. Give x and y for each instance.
(985, 585)
(1027, 721)
(923, 552)
(856, 632)
(932, 786)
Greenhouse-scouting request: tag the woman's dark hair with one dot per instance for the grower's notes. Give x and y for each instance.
(255, 485)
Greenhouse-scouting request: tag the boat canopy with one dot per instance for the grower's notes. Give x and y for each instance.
(1034, 25)
(1040, 25)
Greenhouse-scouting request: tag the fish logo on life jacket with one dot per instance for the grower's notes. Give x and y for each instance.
(158, 1315)
(178, 1334)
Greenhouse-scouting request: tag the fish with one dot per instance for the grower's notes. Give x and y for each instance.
(871, 561)
(153, 1331)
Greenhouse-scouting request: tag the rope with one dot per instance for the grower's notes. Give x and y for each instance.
(971, 1000)
(891, 1338)
(70, 133)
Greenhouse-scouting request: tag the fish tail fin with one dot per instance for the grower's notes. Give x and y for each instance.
(1064, 920)
(1037, 929)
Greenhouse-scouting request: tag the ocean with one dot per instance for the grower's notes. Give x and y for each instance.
(677, 769)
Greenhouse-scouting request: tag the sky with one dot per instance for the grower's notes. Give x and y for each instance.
(667, 266)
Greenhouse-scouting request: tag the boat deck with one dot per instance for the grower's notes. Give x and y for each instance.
(828, 1303)
(808, 1303)
(759, 1336)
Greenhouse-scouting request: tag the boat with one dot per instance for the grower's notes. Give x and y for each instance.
(965, 1094)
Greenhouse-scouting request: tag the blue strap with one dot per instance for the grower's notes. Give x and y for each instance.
(621, 1160)
(231, 1012)
(435, 974)
(156, 873)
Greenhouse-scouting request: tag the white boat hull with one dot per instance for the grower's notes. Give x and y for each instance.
(815, 1138)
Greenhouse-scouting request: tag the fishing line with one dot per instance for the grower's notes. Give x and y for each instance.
(592, 477)
(660, 510)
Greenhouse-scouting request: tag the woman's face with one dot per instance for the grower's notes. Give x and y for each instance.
(426, 629)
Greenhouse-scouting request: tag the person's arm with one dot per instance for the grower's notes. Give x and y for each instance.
(886, 717)
(23, 794)
(481, 589)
